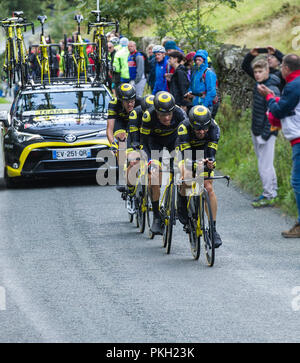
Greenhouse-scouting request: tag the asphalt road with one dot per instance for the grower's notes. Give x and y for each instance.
(74, 270)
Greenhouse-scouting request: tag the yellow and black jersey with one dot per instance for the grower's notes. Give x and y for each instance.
(134, 125)
(151, 126)
(187, 139)
(116, 109)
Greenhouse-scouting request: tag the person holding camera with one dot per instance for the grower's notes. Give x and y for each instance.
(263, 136)
(287, 110)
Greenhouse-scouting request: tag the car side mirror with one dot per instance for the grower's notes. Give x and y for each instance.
(4, 118)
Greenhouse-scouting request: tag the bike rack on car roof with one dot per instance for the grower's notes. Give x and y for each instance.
(36, 84)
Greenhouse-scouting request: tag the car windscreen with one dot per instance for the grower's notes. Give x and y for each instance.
(80, 102)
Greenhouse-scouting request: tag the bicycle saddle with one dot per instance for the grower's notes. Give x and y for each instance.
(18, 14)
(42, 18)
(78, 18)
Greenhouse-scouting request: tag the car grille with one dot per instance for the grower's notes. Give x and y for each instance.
(40, 160)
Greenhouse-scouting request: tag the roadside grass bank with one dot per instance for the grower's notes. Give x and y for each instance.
(236, 156)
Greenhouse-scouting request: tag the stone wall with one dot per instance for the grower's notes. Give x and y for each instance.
(233, 80)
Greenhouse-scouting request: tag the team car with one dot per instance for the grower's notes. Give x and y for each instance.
(55, 129)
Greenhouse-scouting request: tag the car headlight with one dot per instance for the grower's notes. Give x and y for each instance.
(24, 136)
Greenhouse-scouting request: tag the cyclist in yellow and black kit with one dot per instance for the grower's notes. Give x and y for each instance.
(119, 110)
(200, 132)
(159, 130)
(135, 122)
(133, 139)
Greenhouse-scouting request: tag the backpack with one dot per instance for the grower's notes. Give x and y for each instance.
(216, 99)
(146, 61)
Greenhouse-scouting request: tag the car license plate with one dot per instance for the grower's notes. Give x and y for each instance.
(65, 154)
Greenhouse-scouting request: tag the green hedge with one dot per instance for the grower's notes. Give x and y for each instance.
(236, 156)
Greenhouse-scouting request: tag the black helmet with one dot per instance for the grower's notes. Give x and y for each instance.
(200, 117)
(147, 102)
(126, 92)
(164, 102)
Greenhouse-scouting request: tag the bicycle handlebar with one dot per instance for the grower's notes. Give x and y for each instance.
(25, 26)
(227, 177)
(103, 24)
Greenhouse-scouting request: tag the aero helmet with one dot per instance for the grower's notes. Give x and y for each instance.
(200, 117)
(126, 92)
(147, 102)
(164, 102)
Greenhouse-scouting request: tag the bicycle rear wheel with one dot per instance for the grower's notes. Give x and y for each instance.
(194, 227)
(207, 228)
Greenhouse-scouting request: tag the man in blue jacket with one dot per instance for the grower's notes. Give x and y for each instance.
(203, 81)
(160, 69)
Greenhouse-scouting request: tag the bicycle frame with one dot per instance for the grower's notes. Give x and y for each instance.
(15, 49)
(44, 62)
(100, 25)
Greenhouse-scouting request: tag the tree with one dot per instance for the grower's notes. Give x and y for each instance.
(184, 19)
(125, 11)
(31, 8)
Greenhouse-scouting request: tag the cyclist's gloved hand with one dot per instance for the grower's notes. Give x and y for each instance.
(114, 147)
(210, 163)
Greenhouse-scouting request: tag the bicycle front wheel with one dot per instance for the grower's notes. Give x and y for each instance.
(194, 227)
(169, 217)
(141, 207)
(207, 228)
(149, 214)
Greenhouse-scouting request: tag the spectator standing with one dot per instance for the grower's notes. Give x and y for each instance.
(202, 89)
(136, 64)
(120, 64)
(275, 59)
(179, 84)
(111, 56)
(189, 63)
(160, 69)
(288, 111)
(152, 64)
(262, 136)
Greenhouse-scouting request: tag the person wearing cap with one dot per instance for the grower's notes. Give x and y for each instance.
(158, 131)
(275, 58)
(120, 63)
(170, 46)
(189, 63)
(198, 132)
(116, 42)
(160, 69)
